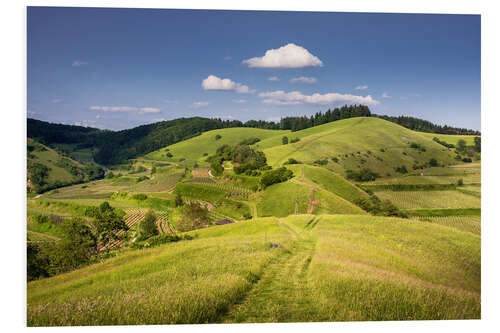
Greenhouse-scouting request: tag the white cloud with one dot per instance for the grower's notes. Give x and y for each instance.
(98, 116)
(148, 110)
(32, 113)
(106, 108)
(228, 58)
(280, 97)
(275, 119)
(288, 56)
(78, 63)
(85, 123)
(385, 95)
(239, 101)
(362, 87)
(213, 82)
(304, 79)
(56, 100)
(156, 120)
(273, 78)
(196, 105)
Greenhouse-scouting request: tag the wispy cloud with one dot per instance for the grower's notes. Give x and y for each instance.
(275, 119)
(228, 58)
(288, 56)
(280, 97)
(197, 105)
(32, 113)
(273, 78)
(303, 79)
(239, 101)
(361, 87)
(123, 108)
(386, 95)
(57, 100)
(213, 82)
(78, 63)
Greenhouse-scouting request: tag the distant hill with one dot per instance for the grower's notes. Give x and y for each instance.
(47, 169)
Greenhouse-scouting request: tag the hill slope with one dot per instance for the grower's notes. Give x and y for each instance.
(328, 268)
(356, 143)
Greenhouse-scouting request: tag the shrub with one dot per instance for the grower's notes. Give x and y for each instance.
(169, 154)
(141, 178)
(433, 162)
(275, 176)
(249, 141)
(178, 200)
(292, 161)
(247, 216)
(139, 196)
(321, 162)
(218, 136)
(147, 226)
(362, 175)
(467, 160)
(335, 159)
(401, 169)
(294, 140)
(460, 182)
(284, 140)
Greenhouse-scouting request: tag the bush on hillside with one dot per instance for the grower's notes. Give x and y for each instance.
(433, 162)
(362, 175)
(275, 176)
(401, 169)
(292, 161)
(284, 140)
(147, 226)
(218, 137)
(249, 141)
(294, 140)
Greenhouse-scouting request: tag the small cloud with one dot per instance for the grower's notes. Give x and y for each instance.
(157, 120)
(303, 79)
(385, 95)
(32, 113)
(56, 100)
(78, 63)
(280, 97)
(148, 110)
(228, 58)
(213, 82)
(288, 56)
(197, 105)
(85, 123)
(229, 117)
(363, 87)
(239, 101)
(124, 109)
(273, 78)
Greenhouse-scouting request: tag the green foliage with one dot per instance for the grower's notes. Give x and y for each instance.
(178, 200)
(292, 161)
(218, 137)
(477, 144)
(284, 140)
(294, 140)
(362, 175)
(443, 143)
(249, 141)
(321, 161)
(140, 196)
(169, 154)
(375, 206)
(401, 169)
(433, 162)
(275, 176)
(107, 224)
(159, 240)
(146, 228)
(194, 216)
(142, 178)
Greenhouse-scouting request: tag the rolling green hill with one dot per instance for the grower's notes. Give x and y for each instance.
(324, 268)
(206, 143)
(49, 169)
(356, 143)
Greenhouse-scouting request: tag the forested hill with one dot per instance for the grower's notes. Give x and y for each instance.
(112, 147)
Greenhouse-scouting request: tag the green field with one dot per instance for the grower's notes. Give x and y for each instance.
(453, 139)
(329, 268)
(315, 247)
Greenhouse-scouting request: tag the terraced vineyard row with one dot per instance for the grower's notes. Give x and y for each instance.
(231, 190)
(470, 224)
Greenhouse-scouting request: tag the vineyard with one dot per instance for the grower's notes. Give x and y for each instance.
(231, 191)
(470, 224)
(430, 199)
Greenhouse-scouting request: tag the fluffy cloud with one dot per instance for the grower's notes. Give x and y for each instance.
(124, 109)
(303, 79)
(288, 56)
(213, 82)
(363, 87)
(196, 105)
(239, 101)
(78, 63)
(273, 78)
(280, 97)
(385, 95)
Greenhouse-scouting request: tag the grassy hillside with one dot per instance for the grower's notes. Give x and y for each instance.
(326, 268)
(206, 143)
(448, 138)
(356, 143)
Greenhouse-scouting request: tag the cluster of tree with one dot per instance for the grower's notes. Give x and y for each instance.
(421, 125)
(292, 161)
(275, 176)
(375, 206)
(249, 141)
(362, 175)
(193, 216)
(82, 243)
(146, 228)
(443, 143)
(248, 159)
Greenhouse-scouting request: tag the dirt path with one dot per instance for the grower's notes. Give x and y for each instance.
(281, 294)
(312, 204)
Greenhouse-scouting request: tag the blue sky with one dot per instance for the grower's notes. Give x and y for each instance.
(119, 68)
